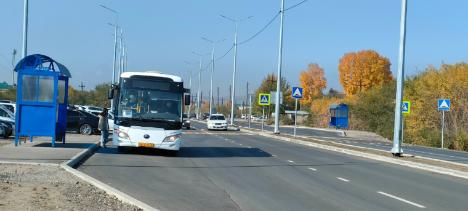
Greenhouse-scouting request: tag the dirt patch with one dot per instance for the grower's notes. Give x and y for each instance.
(31, 187)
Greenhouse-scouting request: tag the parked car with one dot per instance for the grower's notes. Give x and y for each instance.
(216, 122)
(110, 120)
(6, 114)
(93, 109)
(185, 121)
(6, 128)
(82, 122)
(9, 105)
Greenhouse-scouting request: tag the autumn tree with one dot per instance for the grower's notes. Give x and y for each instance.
(363, 70)
(313, 82)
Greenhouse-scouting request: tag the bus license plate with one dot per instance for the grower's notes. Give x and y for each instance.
(146, 145)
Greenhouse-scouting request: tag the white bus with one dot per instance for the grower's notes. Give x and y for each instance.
(148, 108)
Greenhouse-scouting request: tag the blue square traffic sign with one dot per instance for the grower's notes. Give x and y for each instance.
(443, 104)
(297, 92)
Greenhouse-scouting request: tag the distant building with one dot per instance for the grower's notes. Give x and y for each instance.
(4, 86)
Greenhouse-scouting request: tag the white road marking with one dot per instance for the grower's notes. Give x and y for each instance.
(401, 199)
(273, 155)
(342, 179)
(290, 161)
(312, 169)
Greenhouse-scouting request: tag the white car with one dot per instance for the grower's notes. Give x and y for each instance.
(9, 105)
(217, 122)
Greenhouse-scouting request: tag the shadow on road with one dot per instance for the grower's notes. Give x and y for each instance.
(193, 152)
(66, 145)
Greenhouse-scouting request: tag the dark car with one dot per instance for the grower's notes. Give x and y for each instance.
(6, 128)
(82, 122)
(185, 121)
(206, 115)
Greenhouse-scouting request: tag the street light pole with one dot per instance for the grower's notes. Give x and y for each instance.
(24, 51)
(278, 81)
(233, 88)
(213, 43)
(396, 150)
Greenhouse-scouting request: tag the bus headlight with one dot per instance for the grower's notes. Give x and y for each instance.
(172, 138)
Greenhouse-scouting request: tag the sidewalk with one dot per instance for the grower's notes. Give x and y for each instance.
(40, 151)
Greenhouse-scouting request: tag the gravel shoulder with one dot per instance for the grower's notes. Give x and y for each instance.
(35, 187)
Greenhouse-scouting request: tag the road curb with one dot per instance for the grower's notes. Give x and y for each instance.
(28, 163)
(69, 167)
(82, 155)
(426, 167)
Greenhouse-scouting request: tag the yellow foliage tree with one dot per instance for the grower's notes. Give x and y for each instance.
(360, 71)
(313, 81)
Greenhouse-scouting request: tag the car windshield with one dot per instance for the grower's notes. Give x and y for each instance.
(4, 112)
(217, 117)
(147, 104)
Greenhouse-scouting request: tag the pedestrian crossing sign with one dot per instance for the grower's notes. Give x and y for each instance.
(406, 107)
(263, 99)
(443, 104)
(297, 92)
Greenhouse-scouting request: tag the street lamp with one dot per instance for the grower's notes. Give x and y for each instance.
(199, 83)
(24, 51)
(278, 77)
(213, 43)
(397, 130)
(236, 22)
(116, 26)
(190, 87)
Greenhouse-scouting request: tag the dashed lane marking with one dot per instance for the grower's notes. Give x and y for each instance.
(312, 169)
(343, 179)
(401, 199)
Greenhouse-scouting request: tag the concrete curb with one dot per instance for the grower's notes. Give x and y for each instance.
(82, 155)
(426, 167)
(68, 166)
(29, 163)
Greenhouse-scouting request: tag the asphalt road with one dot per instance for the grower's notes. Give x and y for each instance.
(238, 171)
(436, 153)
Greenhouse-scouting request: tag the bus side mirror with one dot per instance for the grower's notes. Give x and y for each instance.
(110, 94)
(187, 99)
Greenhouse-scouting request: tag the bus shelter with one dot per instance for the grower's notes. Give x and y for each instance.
(339, 116)
(41, 98)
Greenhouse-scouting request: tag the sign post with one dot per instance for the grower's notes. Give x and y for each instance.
(296, 94)
(250, 108)
(264, 100)
(406, 109)
(443, 105)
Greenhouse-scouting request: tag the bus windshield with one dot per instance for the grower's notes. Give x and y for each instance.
(147, 104)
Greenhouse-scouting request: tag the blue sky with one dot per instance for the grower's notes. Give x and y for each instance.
(162, 34)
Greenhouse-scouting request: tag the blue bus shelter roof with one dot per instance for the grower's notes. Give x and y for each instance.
(42, 63)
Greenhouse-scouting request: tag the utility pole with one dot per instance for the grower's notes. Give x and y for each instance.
(396, 150)
(278, 78)
(217, 96)
(199, 91)
(213, 43)
(13, 61)
(82, 86)
(24, 52)
(247, 94)
(199, 84)
(120, 53)
(233, 95)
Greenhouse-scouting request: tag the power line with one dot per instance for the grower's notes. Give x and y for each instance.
(230, 49)
(261, 30)
(293, 6)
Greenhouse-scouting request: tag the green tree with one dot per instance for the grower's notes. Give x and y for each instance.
(269, 84)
